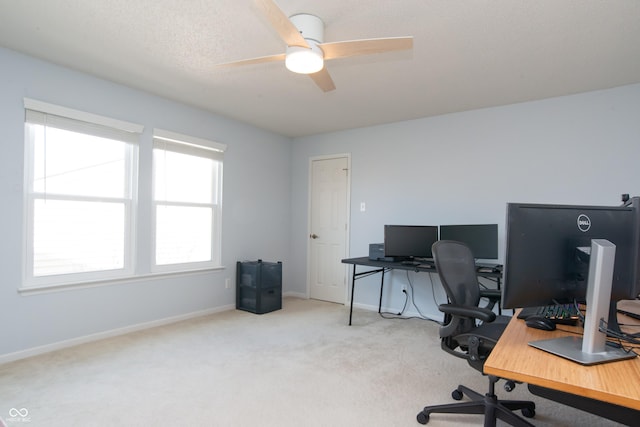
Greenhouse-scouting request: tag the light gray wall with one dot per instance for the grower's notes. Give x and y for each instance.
(465, 167)
(449, 169)
(256, 209)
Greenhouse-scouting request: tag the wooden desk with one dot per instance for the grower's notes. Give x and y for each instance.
(512, 358)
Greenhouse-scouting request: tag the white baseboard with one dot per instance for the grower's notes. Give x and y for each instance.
(23, 354)
(365, 306)
(300, 295)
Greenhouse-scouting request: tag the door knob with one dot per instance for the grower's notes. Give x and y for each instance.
(313, 236)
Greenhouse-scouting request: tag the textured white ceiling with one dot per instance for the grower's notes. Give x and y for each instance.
(467, 54)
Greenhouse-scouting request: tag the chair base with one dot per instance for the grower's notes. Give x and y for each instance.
(488, 404)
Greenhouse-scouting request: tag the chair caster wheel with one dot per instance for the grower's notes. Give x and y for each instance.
(422, 418)
(528, 412)
(509, 385)
(456, 394)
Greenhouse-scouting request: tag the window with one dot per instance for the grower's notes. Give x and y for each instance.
(187, 196)
(81, 198)
(80, 195)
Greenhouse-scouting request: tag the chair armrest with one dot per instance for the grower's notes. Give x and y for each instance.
(480, 313)
(491, 293)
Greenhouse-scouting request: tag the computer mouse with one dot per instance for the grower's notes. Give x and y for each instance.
(540, 322)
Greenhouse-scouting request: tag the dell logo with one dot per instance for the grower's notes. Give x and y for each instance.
(584, 223)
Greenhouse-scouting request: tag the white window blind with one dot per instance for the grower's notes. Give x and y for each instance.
(187, 201)
(80, 195)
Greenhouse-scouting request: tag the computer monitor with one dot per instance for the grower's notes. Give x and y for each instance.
(482, 239)
(547, 249)
(559, 253)
(403, 242)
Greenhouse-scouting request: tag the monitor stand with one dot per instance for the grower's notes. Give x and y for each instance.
(591, 348)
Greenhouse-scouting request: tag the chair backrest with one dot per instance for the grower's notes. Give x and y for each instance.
(463, 335)
(457, 270)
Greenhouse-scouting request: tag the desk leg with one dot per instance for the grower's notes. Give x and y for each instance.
(499, 302)
(381, 288)
(353, 286)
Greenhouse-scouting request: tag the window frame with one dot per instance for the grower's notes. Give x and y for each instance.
(67, 118)
(189, 145)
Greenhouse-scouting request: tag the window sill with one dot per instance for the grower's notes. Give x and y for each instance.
(41, 289)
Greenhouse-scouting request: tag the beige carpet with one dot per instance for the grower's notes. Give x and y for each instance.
(300, 366)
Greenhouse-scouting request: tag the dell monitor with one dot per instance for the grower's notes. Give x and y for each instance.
(482, 239)
(547, 252)
(564, 253)
(405, 242)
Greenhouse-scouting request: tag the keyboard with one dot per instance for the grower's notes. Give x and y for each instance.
(630, 314)
(427, 266)
(564, 314)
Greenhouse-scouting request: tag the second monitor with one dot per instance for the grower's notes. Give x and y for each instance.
(482, 239)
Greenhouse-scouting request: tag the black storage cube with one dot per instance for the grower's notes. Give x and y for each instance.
(259, 286)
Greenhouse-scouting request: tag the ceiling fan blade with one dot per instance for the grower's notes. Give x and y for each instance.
(323, 80)
(350, 48)
(251, 61)
(288, 32)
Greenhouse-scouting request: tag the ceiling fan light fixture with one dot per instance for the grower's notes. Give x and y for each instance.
(304, 60)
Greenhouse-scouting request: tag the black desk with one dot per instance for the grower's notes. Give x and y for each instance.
(384, 266)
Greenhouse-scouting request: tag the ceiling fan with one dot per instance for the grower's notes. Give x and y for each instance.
(306, 51)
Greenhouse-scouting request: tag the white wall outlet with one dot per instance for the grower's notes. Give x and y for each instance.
(227, 283)
(363, 206)
(404, 288)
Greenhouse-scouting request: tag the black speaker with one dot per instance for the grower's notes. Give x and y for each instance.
(376, 252)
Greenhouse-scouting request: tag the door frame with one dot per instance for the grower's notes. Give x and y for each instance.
(348, 218)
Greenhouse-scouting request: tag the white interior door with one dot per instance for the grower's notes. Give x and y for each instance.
(328, 229)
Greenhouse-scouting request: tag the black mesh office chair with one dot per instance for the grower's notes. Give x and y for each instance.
(470, 332)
